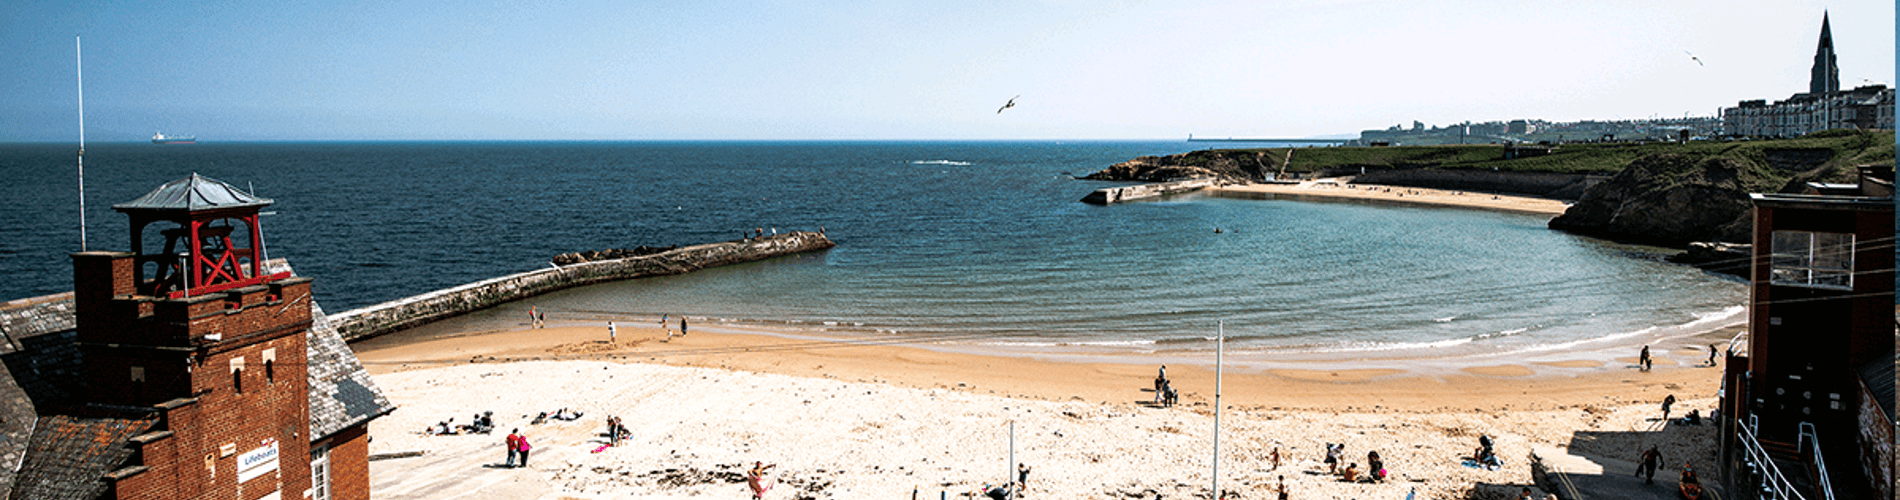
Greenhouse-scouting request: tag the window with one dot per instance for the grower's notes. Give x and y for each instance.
(1819, 260)
(320, 473)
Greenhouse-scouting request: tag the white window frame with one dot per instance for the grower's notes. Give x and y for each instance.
(1812, 259)
(320, 473)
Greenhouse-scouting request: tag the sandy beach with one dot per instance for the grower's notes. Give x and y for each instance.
(884, 417)
(858, 418)
(1342, 188)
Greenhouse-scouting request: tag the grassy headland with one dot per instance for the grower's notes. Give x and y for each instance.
(1769, 164)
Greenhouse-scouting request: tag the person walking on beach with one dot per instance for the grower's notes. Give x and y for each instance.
(1022, 477)
(1332, 457)
(514, 446)
(1276, 458)
(613, 334)
(1161, 384)
(1642, 361)
(682, 326)
(755, 479)
(524, 447)
(1283, 488)
(1651, 459)
(1711, 354)
(534, 317)
(1667, 402)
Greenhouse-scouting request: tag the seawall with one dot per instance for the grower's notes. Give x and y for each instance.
(1108, 196)
(366, 322)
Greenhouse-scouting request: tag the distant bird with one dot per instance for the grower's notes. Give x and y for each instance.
(1698, 60)
(1010, 104)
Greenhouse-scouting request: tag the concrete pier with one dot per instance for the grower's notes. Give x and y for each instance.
(1109, 196)
(357, 324)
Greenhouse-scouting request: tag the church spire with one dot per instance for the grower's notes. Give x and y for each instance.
(1825, 78)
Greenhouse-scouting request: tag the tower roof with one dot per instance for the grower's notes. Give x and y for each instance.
(1827, 35)
(191, 194)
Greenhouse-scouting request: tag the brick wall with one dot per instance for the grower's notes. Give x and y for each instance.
(227, 370)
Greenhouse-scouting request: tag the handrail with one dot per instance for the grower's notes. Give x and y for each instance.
(1820, 465)
(1775, 483)
(1734, 342)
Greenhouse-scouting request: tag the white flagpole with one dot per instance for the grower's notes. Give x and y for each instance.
(1009, 469)
(1220, 348)
(80, 72)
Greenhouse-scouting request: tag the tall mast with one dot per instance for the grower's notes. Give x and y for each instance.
(80, 72)
(1220, 347)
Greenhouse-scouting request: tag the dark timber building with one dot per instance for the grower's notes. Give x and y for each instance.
(1808, 397)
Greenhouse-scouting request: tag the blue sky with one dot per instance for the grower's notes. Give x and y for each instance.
(605, 70)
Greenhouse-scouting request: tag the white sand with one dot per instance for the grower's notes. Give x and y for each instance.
(696, 429)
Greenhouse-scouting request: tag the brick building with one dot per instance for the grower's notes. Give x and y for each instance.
(201, 371)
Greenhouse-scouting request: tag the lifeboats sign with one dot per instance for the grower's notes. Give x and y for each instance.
(258, 462)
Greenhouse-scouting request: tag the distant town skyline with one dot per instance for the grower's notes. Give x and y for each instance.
(591, 70)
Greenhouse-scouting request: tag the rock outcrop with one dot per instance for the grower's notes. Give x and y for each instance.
(1666, 199)
(1226, 165)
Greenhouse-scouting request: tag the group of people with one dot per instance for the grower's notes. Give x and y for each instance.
(1644, 362)
(615, 430)
(481, 423)
(1164, 389)
(1335, 453)
(536, 318)
(517, 449)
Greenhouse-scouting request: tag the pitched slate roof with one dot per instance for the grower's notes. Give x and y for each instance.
(70, 456)
(341, 392)
(191, 194)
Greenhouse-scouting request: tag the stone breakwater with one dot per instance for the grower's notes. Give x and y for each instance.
(366, 322)
(1107, 196)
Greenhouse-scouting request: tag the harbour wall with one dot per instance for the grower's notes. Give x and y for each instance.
(1109, 196)
(366, 322)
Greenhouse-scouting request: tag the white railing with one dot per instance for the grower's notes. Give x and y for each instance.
(1820, 466)
(1774, 483)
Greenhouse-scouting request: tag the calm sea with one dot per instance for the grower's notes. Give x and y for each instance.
(980, 243)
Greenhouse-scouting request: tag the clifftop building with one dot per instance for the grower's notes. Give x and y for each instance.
(1823, 107)
(200, 372)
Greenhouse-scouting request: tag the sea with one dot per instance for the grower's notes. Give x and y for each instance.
(974, 244)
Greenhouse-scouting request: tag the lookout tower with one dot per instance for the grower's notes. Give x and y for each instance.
(217, 227)
(195, 332)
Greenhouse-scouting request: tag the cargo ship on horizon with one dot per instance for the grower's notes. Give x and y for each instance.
(161, 138)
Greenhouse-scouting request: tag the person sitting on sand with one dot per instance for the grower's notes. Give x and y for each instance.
(1351, 475)
(996, 492)
(1375, 467)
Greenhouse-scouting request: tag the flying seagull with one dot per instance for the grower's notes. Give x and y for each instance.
(1010, 104)
(1698, 60)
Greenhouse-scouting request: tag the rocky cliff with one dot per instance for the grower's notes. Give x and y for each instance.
(1667, 199)
(1233, 165)
(1673, 199)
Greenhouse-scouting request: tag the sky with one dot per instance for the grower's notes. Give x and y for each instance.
(297, 70)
